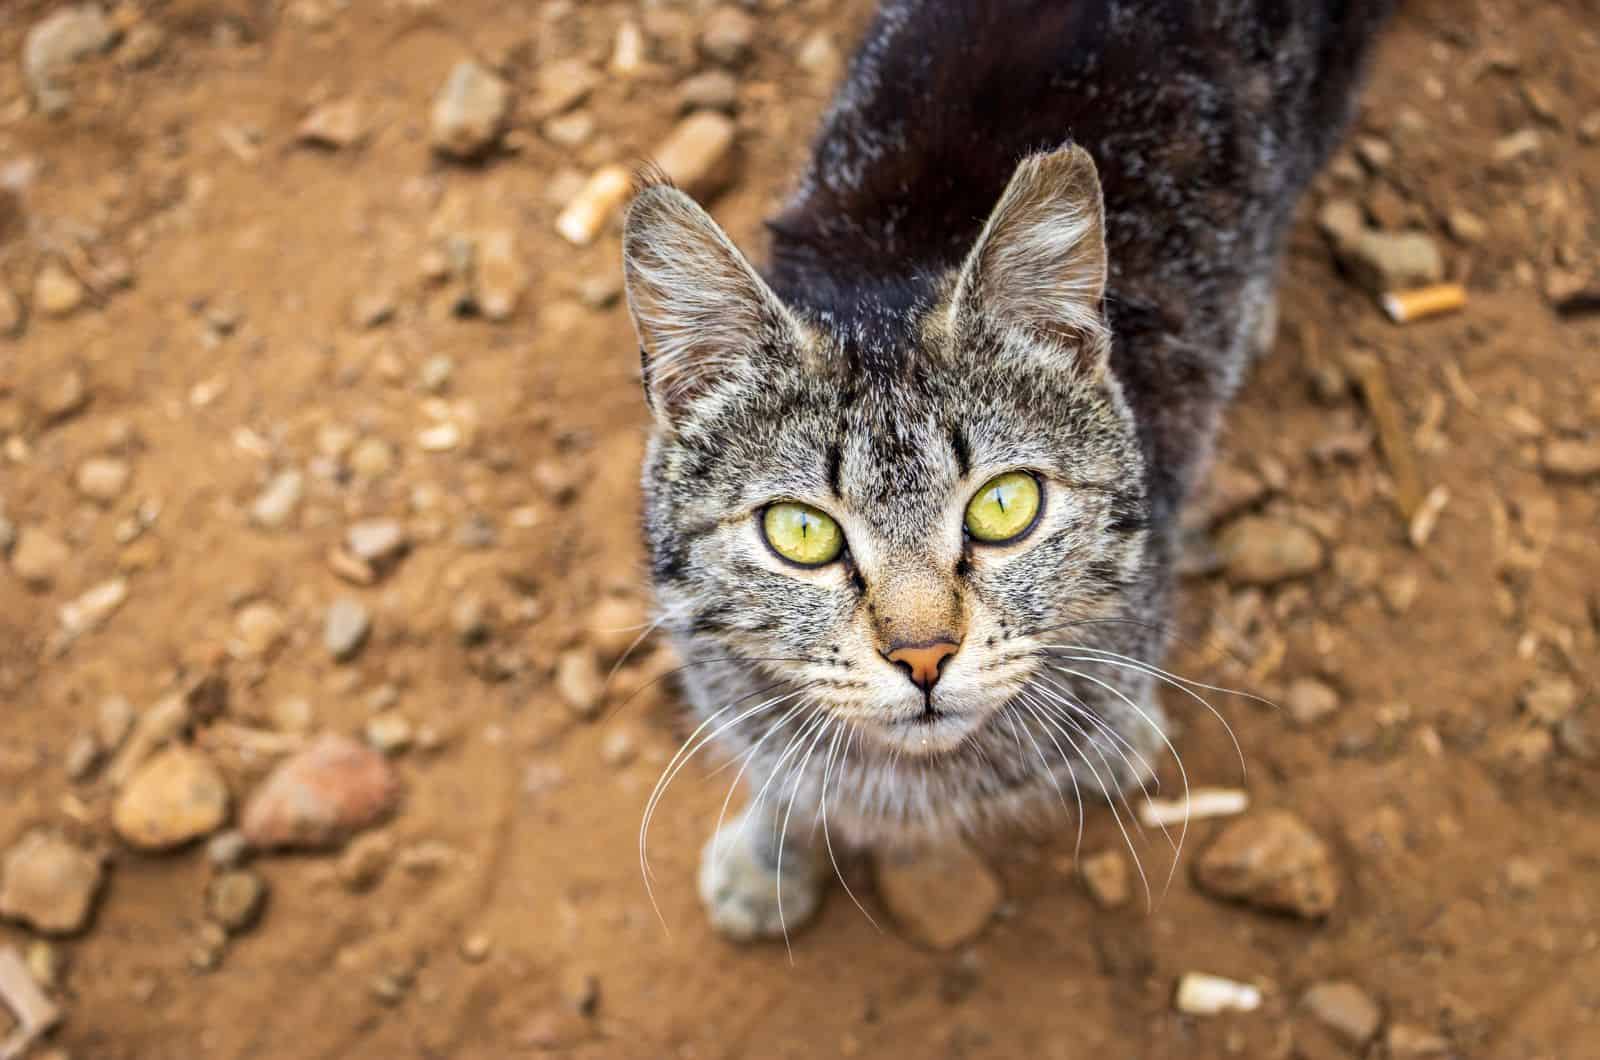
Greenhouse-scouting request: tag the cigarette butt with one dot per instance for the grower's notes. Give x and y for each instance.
(1404, 307)
(1200, 994)
(1201, 803)
(697, 154)
(594, 204)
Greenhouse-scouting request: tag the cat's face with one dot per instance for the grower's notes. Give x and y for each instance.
(893, 525)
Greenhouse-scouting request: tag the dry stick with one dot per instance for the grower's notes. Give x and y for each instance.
(1373, 378)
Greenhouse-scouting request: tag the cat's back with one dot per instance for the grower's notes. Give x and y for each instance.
(1224, 108)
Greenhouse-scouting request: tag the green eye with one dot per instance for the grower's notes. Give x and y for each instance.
(1004, 509)
(801, 534)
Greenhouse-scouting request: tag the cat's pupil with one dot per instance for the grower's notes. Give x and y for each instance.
(999, 500)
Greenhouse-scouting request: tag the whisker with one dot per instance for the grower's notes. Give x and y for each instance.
(1077, 794)
(732, 660)
(794, 793)
(827, 838)
(1115, 814)
(1183, 772)
(744, 764)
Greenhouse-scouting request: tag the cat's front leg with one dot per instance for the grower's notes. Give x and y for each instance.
(741, 869)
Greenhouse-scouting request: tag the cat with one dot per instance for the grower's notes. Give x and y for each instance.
(912, 493)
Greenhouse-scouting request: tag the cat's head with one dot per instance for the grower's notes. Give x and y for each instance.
(893, 520)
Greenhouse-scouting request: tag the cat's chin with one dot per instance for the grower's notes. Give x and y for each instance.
(925, 735)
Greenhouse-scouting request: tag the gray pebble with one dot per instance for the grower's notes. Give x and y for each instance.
(346, 628)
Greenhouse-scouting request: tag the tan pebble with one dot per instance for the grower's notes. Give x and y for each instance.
(337, 124)
(1105, 876)
(1407, 1042)
(500, 277)
(176, 796)
(1551, 700)
(260, 628)
(103, 479)
(1261, 551)
(49, 883)
(579, 682)
(1272, 860)
(365, 861)
(469, 110)
(56, 292)
(1309, 701)
(941, 896)
(1345, 1009)
(235, 900)
(727, 35)
(616, 626)
(38, 557)
(1569, 458)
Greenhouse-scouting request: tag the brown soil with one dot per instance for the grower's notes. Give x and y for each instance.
(1464, 828)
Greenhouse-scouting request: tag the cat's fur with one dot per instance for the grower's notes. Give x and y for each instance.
(900, 349)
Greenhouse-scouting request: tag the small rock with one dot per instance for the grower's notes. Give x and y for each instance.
(569, 130)
(1399, 592)
(321, 795)
(1406, 1042)
(276, 505)
(440, 438)
(469, 110)
(371, 458)
(66, 398)
(365, 861)
(1309, 701)
(1392, 261)
(1256, 550)
(1375, 153)
(470, 620)
(1105, 876)
(500, 277)
(616, 625)
(335, 125)
(727, 35)
(260, 628)
(91, 610)
(942, 896)
(475, 948)
(49, 883)
(1571, 458)
(1524, 876)
(56, 292)
(1274, 861)
(1345, 1009)
(176, 796)
(1523, 143)
(376, 541)
(235, 899)
(579, 682)
(102, 479)
(227, 850)
(293, 715)
(619, 747)
(346, 628)
(436, 374)
(56, 43)
(83, 755)
(1466, 227)
(389, 733)
(819, 56)
(1552, 700)
(38, 557)
(711, 90)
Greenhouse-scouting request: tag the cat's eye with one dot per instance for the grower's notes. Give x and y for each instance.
(1004, 509)
(801, 534)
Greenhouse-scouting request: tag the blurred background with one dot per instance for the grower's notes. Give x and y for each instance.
(319, 441)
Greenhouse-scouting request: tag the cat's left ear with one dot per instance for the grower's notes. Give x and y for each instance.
(1039, 265)
(705, 318)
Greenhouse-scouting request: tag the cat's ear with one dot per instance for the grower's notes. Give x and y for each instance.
(704, 316)
(1039, 265)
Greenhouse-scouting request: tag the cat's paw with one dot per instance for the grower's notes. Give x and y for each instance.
(739, 883)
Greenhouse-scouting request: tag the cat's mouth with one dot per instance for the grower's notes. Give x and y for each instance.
(930, 730)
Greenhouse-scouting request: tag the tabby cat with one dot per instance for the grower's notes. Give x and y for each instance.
(912, 493)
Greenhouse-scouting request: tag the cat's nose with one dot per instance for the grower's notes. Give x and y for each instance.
(922, 662)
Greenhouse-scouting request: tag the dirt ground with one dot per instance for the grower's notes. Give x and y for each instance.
(249, 304)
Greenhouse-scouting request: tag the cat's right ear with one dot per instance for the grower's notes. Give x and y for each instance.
(704, 316)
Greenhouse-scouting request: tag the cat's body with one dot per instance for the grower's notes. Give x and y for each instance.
(907, 351)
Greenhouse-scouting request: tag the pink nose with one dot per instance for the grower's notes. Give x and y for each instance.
(923, 662)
